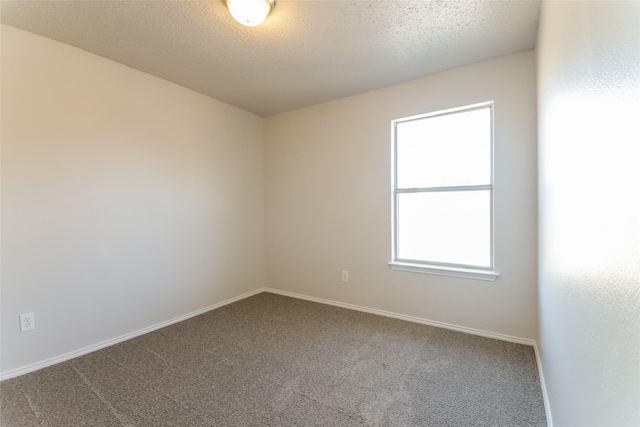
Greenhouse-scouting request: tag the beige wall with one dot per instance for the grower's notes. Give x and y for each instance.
(589, 110)
(327, 181)
(126, 200)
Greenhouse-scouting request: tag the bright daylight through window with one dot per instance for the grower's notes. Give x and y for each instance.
(443, 192)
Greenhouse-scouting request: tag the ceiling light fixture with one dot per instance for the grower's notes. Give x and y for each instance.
(250, 12)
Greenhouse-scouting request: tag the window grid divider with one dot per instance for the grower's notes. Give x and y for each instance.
(447, 189)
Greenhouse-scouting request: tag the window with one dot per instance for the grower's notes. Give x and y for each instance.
(443, 192)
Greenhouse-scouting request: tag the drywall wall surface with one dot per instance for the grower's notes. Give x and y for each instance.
(589, 183)
(126, 200)
(328, 200)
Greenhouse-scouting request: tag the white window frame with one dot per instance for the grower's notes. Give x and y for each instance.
(445, 269)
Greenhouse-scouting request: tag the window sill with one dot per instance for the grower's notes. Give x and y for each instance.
(467, 273)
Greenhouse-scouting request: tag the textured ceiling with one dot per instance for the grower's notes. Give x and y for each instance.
(305, 53)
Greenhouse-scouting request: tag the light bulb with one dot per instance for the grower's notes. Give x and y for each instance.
(250, 12)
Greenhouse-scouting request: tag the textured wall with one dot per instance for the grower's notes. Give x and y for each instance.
(328, 172)
(126, 200)
(589, 127)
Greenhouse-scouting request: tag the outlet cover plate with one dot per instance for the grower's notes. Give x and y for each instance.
(27, 322)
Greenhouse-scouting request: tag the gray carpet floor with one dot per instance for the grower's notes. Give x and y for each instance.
(270, 360)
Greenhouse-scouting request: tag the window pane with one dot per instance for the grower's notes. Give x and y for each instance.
(448, 150)
(450, 227)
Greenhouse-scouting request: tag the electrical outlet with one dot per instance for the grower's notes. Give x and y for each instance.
(27, 322)
(345, 276)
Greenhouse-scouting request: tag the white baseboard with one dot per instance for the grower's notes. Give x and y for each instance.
(543, 386)
(413, 319)
(76, 353)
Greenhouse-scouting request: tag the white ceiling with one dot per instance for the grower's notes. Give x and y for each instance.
(305, 53)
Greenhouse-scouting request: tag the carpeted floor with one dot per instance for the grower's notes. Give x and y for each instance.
(270, 360)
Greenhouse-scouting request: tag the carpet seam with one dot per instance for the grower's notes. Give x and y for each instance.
(155, 388)
(31, 405)
(112, 410)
